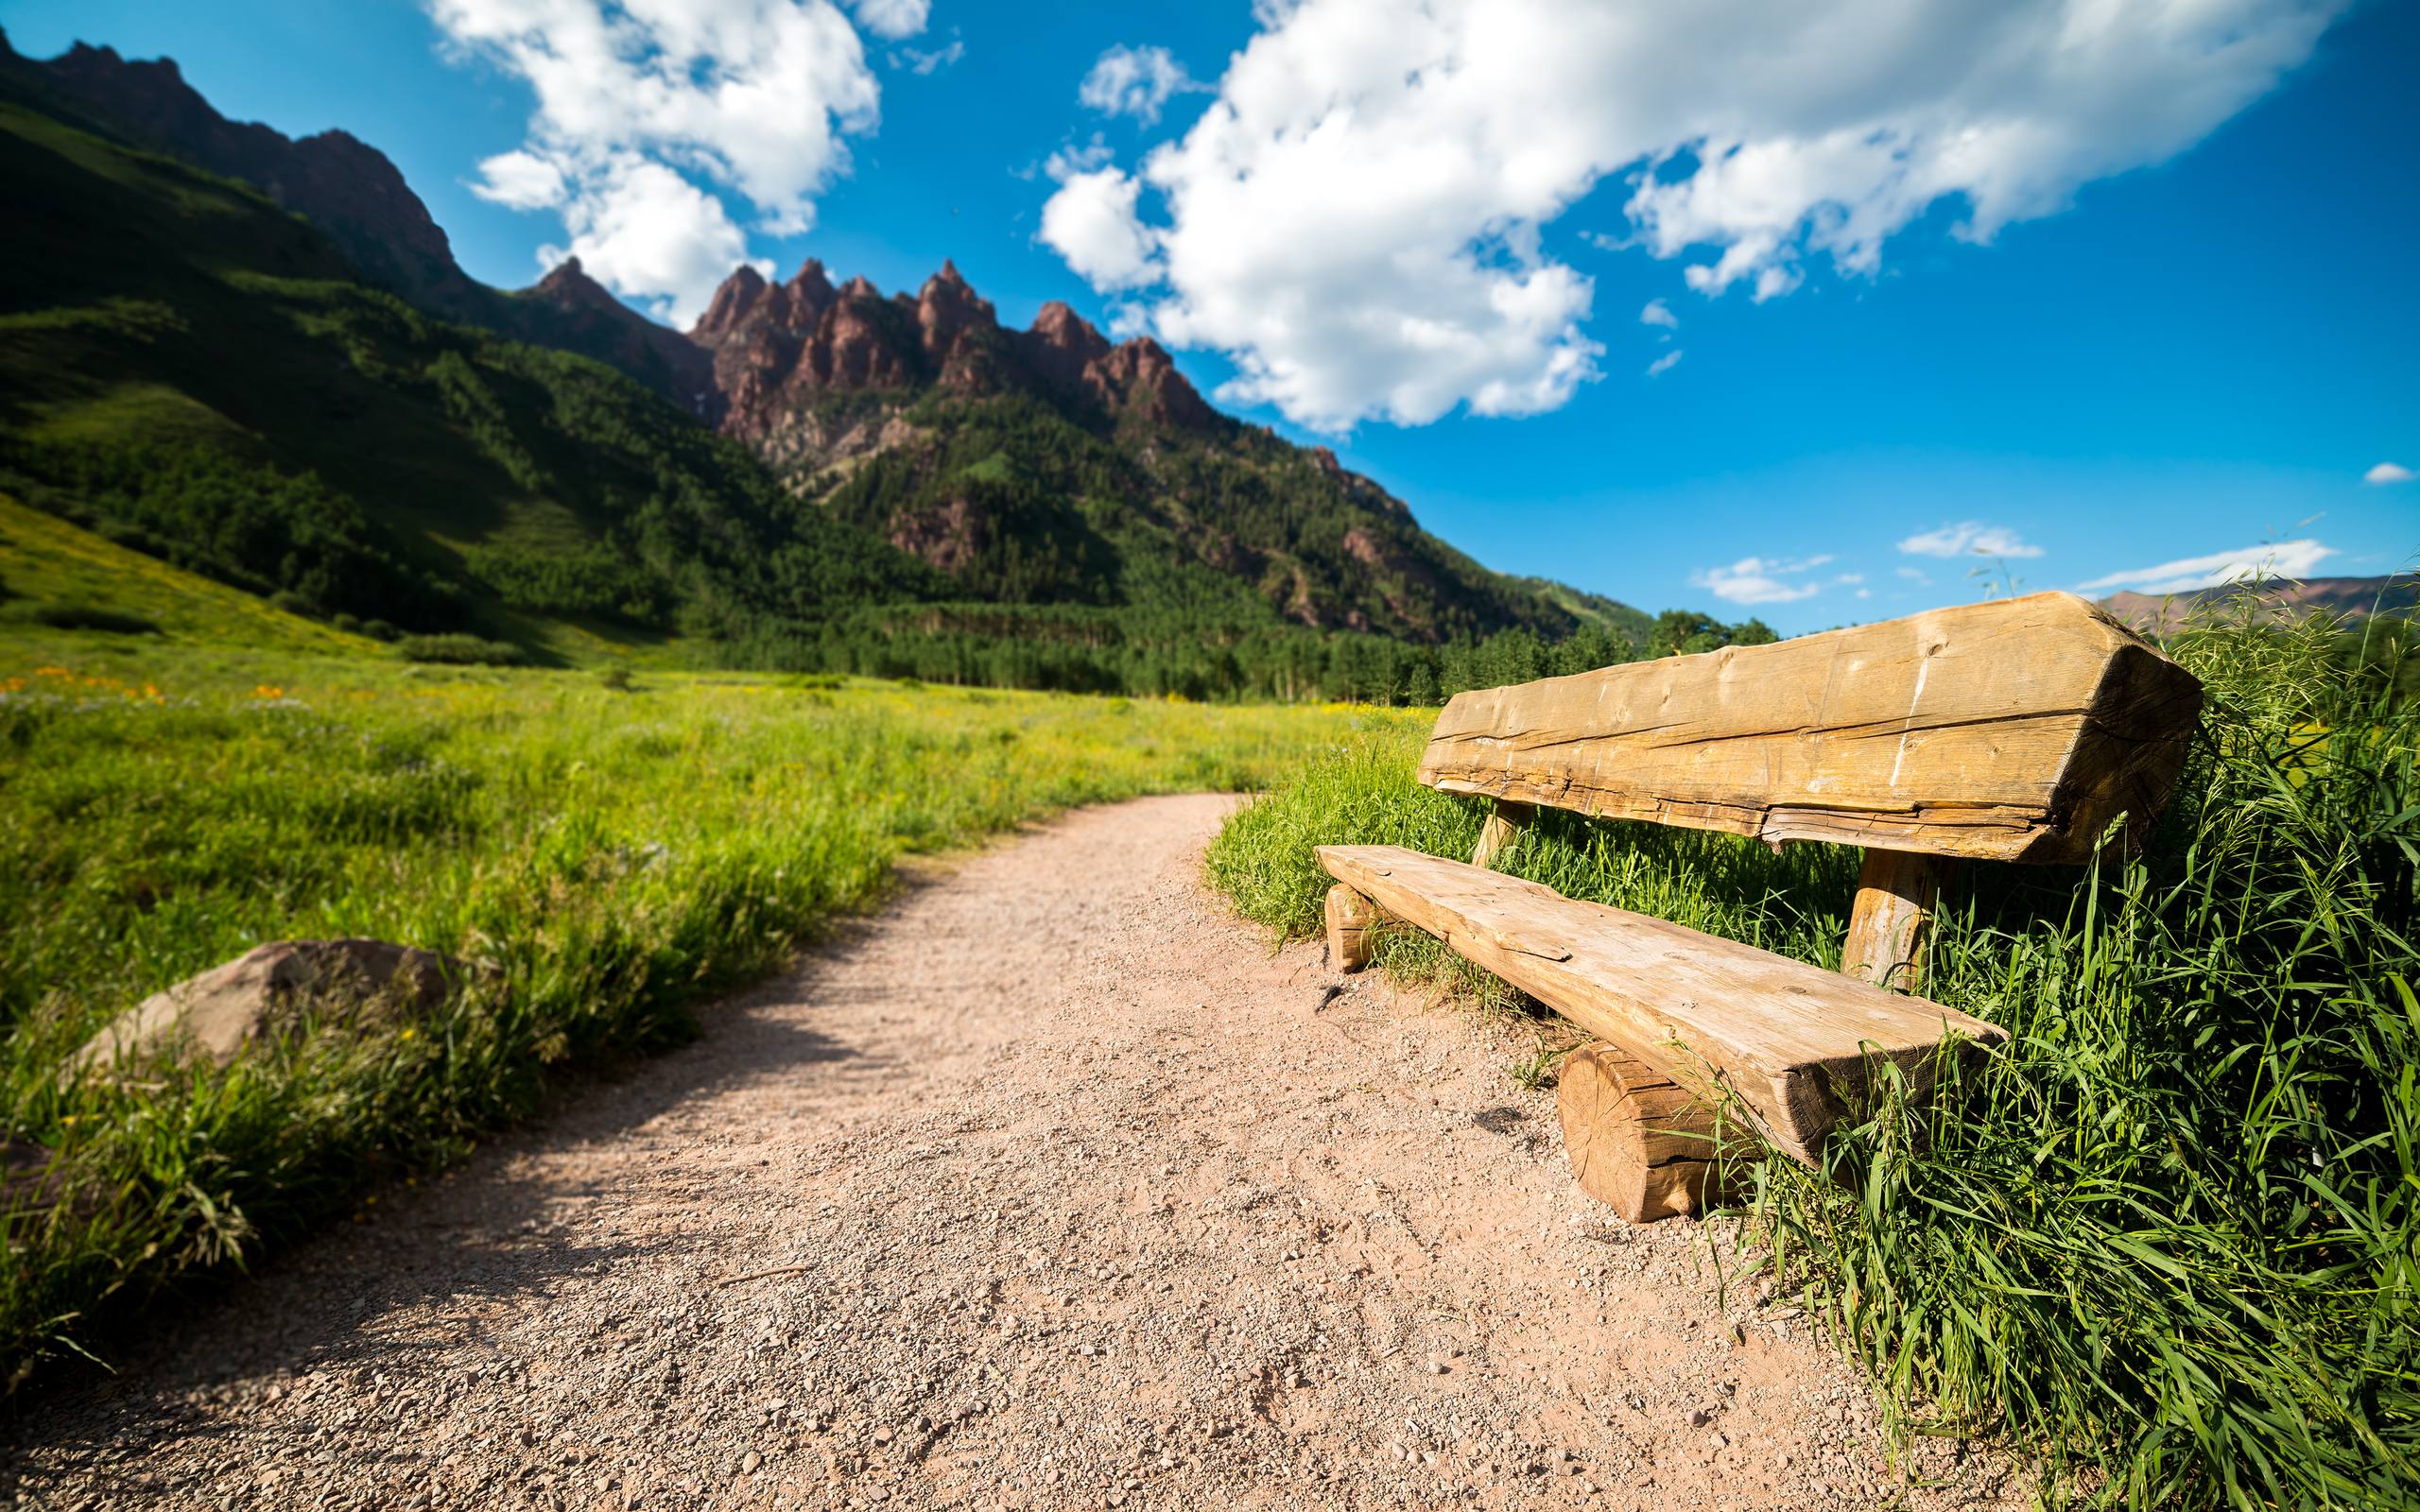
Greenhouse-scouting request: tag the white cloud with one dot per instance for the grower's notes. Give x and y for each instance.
(1355, 219)
(638, 98)
(923, 63)
(1659, 313)
(893, 18)
(1091, 223)
(1969, 539)
(1068, 162)
(2284, 558)
(1663, 364)
(1759, 580)
(1136, 81)
(637, 226)
(520, 181)
(2388, 472)
(1914, 574)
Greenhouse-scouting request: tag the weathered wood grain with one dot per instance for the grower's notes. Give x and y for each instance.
(2009, 731)
(1637, 1140)
(1891, 926)
(1505, 823)
(1351, 921)
(1798, 1044)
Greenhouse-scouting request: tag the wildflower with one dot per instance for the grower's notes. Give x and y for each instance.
(265, 690)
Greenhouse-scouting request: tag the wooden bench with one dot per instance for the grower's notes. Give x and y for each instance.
(2019, 730)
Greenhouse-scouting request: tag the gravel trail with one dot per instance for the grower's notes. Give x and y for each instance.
(1052, 1186)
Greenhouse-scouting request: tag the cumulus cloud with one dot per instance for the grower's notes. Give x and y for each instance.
(2283, 559)
(893, 18)
(1761, 580)
(1091, 222)
(1663, 364)
(2386, 473)
(1136, 81)
(1969, 539)
(1355, 219)
(1659, 313)
(644, 107)
(520, 181)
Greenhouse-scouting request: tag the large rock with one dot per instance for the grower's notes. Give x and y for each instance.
(272, 989)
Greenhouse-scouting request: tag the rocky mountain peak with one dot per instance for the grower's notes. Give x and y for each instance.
(946, 311)
(1056, 326)
(811, 283)
(569, 286)
(738, 295)
(1146, 380)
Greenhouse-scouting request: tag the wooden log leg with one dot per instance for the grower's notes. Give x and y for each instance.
(1634, 1138)
(1352, 922)
(1890, 928)
(1504, 825)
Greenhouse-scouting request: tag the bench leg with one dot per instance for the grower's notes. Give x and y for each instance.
(1891, 927)
(1353, 924)
(1635, 1139)
(1505, 823)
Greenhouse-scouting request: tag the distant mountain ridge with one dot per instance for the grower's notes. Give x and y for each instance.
(2350, 597)
(777, 346)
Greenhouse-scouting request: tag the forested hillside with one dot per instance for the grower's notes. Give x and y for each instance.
(189, 370)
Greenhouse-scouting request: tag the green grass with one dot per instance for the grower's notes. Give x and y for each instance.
(2168, 1240)
(45, 560)
(620, 853)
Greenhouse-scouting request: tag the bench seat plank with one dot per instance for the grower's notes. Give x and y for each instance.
(1792, 1040)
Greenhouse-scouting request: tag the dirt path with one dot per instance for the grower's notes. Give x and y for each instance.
(1051, 1187)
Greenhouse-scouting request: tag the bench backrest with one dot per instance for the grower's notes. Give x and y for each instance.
(2013, 729)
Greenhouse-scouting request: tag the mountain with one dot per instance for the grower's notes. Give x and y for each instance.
(360, 200)
(1049, 465)
(2347, 597)
(256, 357)
(189, 369)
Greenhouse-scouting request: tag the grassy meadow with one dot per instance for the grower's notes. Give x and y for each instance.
(2169, 1239)
(618, 849)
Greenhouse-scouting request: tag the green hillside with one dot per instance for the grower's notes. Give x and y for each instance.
(58, 577)
(192, 372)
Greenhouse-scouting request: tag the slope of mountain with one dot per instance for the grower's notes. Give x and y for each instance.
(357, 198)
(2348, 597)
(191, 370)
(1048, 465)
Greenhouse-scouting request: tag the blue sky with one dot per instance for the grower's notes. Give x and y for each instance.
(2188, 328)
